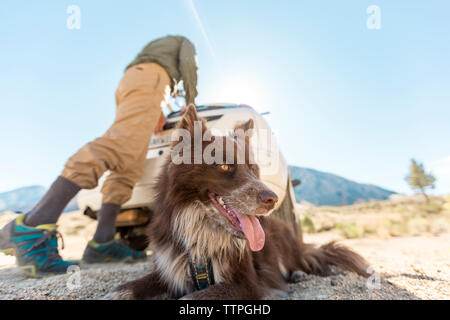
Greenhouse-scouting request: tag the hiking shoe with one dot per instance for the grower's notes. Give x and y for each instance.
(112, 251)
(35, 248)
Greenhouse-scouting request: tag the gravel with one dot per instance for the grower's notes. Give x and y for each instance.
(404, 268)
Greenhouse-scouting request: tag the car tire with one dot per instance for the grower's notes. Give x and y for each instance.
(135, 237)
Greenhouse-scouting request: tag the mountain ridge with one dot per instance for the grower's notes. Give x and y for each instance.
(323, 188)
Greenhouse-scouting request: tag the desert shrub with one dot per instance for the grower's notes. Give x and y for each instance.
(417, 226)
(350, 230)
(370, 229)
(399, 228)
(446, 205)
(439, 226)
(308, 224)
(433, 206)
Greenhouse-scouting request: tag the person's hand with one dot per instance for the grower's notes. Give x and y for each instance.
(160, 125)
(183, 109)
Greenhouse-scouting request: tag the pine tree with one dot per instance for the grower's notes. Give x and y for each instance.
(418, 179)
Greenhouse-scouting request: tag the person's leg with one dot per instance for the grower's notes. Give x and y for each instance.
(139, 107)
(106, 227)
(139, 99)
(117, 188)
(48, 210)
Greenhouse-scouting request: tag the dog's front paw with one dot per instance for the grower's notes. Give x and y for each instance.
(298, 276)
(123, 294)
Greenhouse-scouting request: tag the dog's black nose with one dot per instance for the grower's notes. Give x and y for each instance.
(268, 199)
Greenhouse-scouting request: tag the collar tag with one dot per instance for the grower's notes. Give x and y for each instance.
(202, 274)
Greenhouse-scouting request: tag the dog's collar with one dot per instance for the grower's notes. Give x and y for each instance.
(202, 273)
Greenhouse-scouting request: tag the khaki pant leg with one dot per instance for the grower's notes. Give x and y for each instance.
(118, 186)
(139, 97)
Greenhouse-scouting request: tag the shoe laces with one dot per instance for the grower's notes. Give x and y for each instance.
(46, 237)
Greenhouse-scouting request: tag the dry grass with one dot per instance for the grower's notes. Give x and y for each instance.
(402, 216)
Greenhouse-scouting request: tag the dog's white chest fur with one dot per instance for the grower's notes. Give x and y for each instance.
(202, 238)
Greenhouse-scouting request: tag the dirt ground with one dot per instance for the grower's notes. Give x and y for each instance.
(404, 268)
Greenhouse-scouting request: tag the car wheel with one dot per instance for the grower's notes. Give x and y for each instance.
(135, 237)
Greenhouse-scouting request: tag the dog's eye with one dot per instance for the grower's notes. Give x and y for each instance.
(225, 167)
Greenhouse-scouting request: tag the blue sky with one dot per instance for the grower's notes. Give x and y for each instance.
(344, 99)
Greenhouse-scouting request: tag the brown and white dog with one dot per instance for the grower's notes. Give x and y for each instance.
(213, 218)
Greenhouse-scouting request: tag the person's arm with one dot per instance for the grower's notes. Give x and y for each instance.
(161, 122)
(188, 70)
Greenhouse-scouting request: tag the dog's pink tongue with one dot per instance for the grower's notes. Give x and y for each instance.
(253, 231)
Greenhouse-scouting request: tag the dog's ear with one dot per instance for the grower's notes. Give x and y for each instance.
(242, 133)
(244, 130)
(189, 122)
(190, 118)
(245, 126)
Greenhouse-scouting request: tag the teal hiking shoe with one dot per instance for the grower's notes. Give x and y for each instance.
(111, 251)
(35, 248)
